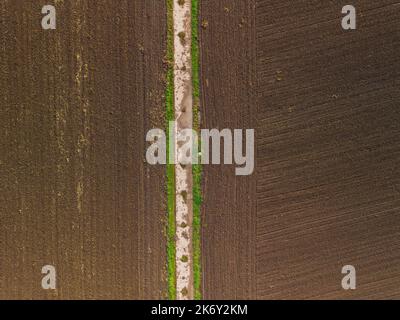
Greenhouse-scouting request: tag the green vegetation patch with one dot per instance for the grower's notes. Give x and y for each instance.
(171, 268)
(196, 169)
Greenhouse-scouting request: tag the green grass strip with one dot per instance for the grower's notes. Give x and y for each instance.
(170, 116)
(196, 169)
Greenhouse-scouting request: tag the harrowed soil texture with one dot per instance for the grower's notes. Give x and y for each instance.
(76, 192)
(326, 189)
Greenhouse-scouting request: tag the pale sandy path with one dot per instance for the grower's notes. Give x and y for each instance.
(183, 175)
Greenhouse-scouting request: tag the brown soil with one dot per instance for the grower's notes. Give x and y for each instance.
(75, 190)
(227, 101)
(325, 192)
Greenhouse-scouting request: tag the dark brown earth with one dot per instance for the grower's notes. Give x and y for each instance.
(326, 191)
(228, 101)
(75, 191)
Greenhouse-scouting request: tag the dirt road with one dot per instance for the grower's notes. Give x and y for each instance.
(76, 191)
